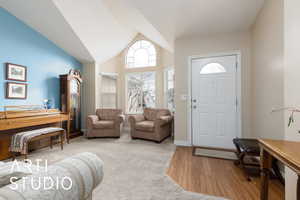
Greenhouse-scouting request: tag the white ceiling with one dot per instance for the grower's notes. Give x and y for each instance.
(46, 19)
(129, 16)
(96, 30)
(182, 18)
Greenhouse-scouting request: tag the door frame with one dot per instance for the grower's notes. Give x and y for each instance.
(238, 92)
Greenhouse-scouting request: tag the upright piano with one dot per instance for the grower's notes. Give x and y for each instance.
(14, 121)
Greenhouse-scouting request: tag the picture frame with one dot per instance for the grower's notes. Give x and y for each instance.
(16, 90)
(16, 72)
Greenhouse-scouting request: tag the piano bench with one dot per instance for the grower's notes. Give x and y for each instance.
(35, 135)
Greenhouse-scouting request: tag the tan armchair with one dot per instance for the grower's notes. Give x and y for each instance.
(154, 124)
(106, 123)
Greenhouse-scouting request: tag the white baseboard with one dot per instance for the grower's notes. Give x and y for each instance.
(182, 143)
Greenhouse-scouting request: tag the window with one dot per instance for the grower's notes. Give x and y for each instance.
(212, 68)
(108, 94)
(169, 89)
(141, 54)
(140, 91)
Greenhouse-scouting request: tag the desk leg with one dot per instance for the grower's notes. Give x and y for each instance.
(298, 188)
(266, 164)
(51, 143)
(68, 130)
(62, 140)
(13, 156)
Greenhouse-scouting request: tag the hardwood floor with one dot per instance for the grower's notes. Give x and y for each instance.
(216, 177)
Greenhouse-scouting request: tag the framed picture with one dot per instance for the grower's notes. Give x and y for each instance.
(16, 90)
(16, 72)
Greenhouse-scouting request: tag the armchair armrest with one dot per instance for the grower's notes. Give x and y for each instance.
(167, 118)
(163, 120)
(120, 119)
(92, 119)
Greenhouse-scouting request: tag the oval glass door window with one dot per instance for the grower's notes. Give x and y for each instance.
(213, 68)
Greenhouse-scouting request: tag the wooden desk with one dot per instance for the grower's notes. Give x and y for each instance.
(287, 152)
(13, 122)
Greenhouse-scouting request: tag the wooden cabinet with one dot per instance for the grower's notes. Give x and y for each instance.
(70, 98)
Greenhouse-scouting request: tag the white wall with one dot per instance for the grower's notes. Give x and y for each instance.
(91, 85)
(291, 80)
(268, 71)
(111, 66)
(271, 78)
(89, 95)
(209, 45)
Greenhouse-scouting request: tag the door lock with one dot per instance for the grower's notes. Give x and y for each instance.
(194, 100)
(194, 107)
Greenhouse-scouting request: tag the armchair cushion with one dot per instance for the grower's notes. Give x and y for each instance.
(145, 126)
(108, 114)
(104, 124)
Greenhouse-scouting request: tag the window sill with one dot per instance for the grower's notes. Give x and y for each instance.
(144, 67)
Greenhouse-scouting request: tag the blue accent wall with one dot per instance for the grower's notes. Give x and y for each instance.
(20, 44)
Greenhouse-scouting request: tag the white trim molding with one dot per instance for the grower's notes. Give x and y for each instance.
(182, 143)
(238, 55)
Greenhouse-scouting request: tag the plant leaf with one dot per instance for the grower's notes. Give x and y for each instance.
(291, 120)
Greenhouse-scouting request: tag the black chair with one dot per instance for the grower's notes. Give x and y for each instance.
(247, 151)
(247, 148)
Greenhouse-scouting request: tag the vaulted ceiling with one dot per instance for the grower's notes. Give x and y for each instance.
(97, 30)
(183, 18)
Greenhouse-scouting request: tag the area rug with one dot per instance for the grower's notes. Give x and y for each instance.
(212, 153)
(133, 169)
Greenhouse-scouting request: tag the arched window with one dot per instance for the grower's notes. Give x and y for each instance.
(212, 68)
(141, 54)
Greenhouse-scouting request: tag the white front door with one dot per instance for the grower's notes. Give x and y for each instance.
(214, 101)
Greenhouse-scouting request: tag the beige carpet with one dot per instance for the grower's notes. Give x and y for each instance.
(133, 170)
